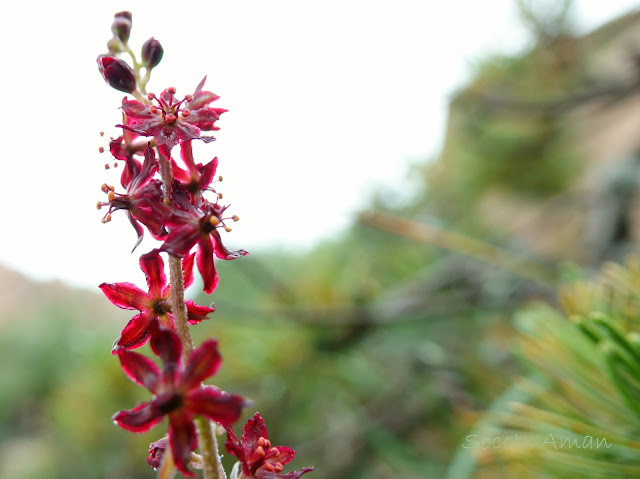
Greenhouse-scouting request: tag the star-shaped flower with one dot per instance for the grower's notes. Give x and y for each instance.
(156, 304)
(177, 392)
(259, 459)
(190, 226)
(143, 199)
(171, 120)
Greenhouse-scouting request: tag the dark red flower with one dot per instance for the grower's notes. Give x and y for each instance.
(171, 120)
(259, 459)
(177, 392)
(190, 226)
(143, 199)
(156, 452)
(154, 305)
(117, 73)
(198, 177)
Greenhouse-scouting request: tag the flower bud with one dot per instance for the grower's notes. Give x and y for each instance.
(152, 53)
(114, 46)
(117, 73)
(121, 26)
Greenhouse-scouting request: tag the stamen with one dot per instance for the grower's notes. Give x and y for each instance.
(170, 118)
(227, 229)
(260, 451)
(153, 109)
(101, 149)
(102, 133)
(106, 166)
(235, 218)
(171, 90)
(214, 220)
(110, 196)
(151, 96)
(99, 205)
(185, 113)
(188, 97)
(220, 195)
(220, 178)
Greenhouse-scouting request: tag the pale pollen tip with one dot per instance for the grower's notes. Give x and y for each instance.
(227, 229)
(214, 220)
(220, 195)
(111, 195)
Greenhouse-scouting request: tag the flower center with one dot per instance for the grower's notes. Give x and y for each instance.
(169, 109)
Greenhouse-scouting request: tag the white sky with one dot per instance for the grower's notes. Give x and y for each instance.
(328, 101)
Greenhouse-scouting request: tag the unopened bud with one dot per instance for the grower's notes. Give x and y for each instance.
(152, 53)
(114, 46)
(117, 73)
(121, 26)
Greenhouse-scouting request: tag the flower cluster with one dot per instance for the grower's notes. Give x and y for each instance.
(172, 198)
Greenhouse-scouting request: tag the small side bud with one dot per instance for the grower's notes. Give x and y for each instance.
(121, 26)
(152, 53)
(114, 46)
(117, 73)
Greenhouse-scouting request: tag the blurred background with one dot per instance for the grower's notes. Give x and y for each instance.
(407, 179)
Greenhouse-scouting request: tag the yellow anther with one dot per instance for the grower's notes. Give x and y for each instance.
(274, 451)
(220, 178)
(227, 229)
(235, 218)
(220, 195)
(107, 218)
(111, 195)
(99, 205)
(260, 451)
(214, 220)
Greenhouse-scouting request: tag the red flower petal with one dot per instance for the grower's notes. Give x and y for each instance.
(204, 259)
(153, 268)
(139, 419)
(252, 431)
(197, 312)
(203, 362)
(183, 439)
(126, 295)
(222, 252)
(187, 270)
(140, 369)
(137, 331)
(217, 405)
(167, 345)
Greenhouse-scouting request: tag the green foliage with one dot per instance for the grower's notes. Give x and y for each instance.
(578, 407)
